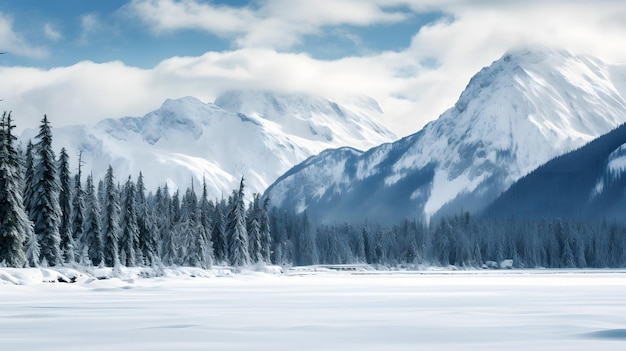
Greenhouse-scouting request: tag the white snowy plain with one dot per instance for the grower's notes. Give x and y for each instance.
(316, 309)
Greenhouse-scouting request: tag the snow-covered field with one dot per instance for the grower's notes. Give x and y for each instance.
(308, 310)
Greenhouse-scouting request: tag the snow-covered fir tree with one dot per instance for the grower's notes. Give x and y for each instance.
(32, 243)
(15, 227)
(205, 214)
(188, 232)
(163, 205)
(147, 226)
(253, 227)
(218, 233)
(129, 236)
(78, 215)
(265, 235)
(236, 232)
(92, 233)
(110, 222)
(46, 211)
(65, 201)
(29, 178)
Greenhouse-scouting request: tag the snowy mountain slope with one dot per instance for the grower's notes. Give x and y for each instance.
(514, 115)
(589, 183)
(312, 118)
(187, 139)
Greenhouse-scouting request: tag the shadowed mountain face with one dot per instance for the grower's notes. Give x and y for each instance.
(514, 115)
(587, 183)
(258, 135)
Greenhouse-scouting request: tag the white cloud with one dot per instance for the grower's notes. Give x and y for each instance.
(51, 32)
(482, 32)
(169, 15)
(274, 24)
(471, 36)
(87, 92)
(89, 24)
(15, 43)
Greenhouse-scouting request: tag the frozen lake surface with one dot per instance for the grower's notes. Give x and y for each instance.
(472, 310)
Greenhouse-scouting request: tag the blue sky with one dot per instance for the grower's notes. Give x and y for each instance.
(66, 32)
(83, 60)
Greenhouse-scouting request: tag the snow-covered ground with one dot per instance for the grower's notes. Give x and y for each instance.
(314, 309)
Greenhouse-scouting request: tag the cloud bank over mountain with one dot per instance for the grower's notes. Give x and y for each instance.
(335, 49)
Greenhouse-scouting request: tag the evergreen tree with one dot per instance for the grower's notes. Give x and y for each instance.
(254, 229)
(305, 243)
(110, 224)
(65, 201)
(78, 215)
(46, 211)
(218, 234)
(193, 249)
(266, 235)
(29, 179)
(164, 223)
(129, 239)
(236, 230)
(92, 233)
(254, 236)
(15, 227)
(205, 213)
(32, 247)
(175, 207)
(147, 226)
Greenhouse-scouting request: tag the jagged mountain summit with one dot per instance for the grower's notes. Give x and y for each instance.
(524, 109)
(187, 140)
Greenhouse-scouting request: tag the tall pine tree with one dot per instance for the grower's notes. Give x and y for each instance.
(266, 236)
(129, 239)
(78, 214)
(29, 178)
(92, 233)
(163, 209)
(45, 211)
(110, 223)
(253, 227)
(205, 214)
(68, 245)
(147, 226)
(32, 243)
(218, 234)
(238, 254)
(15, 227)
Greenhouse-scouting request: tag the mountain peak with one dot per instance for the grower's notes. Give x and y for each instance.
(309, 116)
(188, 139)
(534, 54)
(522, 110)
(188, 106)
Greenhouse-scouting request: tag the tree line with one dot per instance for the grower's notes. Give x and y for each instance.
(461, 241)
(50, 218)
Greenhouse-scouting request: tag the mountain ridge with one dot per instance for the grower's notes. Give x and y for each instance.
(188, 140)
(521, 111)
(581, 184)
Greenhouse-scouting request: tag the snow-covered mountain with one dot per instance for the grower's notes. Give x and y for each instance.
(514, 115)
(587, 183)
(258, 135)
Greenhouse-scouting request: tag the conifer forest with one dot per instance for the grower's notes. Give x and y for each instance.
(52, 216)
